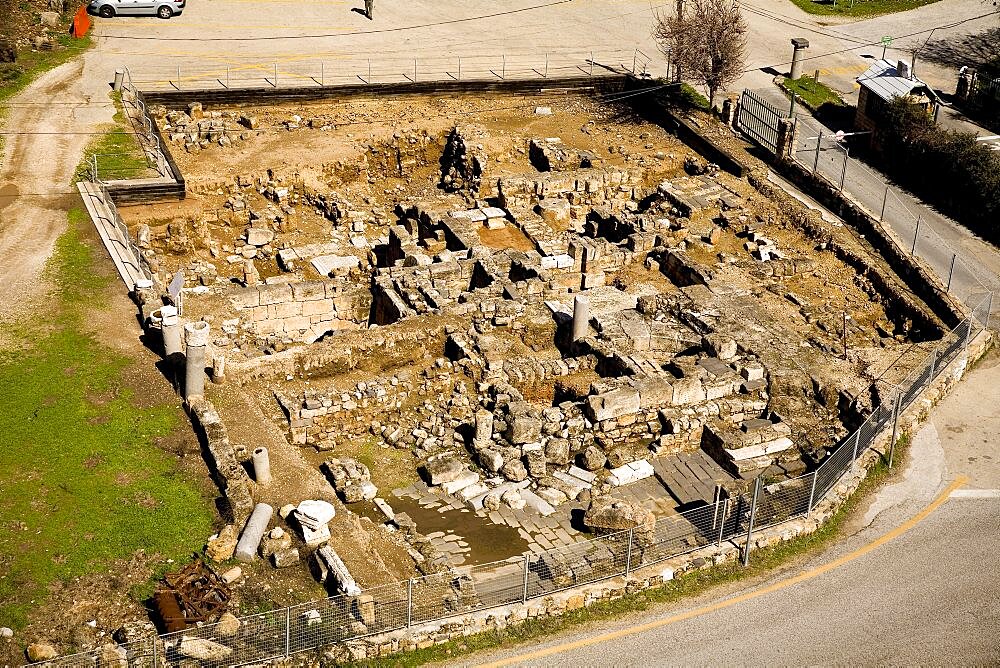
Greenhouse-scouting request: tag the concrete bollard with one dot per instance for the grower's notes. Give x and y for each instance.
(119, 80)
(253, 532)
(196, 335)
(581, 317)
(799, 44)
(261, 466)
(171, 327)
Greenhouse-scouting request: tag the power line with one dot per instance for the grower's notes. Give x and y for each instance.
(342, 34)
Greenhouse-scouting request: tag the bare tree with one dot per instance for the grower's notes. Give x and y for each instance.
(707, 40)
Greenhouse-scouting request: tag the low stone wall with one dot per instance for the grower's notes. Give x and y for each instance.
(427, 635)
(303, 311)
(224, 461)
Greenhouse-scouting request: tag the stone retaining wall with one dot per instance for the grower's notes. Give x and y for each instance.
(302, 311)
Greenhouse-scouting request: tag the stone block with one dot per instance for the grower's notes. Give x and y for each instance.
(287, 310)
(615, 403)
(317, 307)
(274, 294)
(524, 429)
(461, 482)
(444, 469)
(687, 391)
(308, 290)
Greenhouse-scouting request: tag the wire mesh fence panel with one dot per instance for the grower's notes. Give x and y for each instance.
(783, 501)
(498, 583)
(582, 563)
(678, 534)
(325, 622)
(443, 594)
(258, 638)
(832, 468)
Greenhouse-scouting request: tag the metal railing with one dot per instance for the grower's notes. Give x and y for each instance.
(462, 590)
(294, 72)
(149, 141)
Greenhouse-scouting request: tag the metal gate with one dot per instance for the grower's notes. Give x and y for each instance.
(758, 119)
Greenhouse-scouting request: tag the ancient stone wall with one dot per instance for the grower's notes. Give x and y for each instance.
(302, 311)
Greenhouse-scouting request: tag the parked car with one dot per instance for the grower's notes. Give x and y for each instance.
(162, 8)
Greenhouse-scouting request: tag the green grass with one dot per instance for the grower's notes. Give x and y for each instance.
(859, 7)
(119, 155)
(14, 77)
(83, 481)
(814, 94)
(689, 96)
(762, 562)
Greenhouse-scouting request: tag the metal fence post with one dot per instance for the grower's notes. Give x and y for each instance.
(524, 595)
(722, 524)
(546, 75)
(628, 553)
(753, 514)
(288, 632)
(913, 248)
(414, 70)
(635, 56)
(460, 68)
(369, 70)
(156, 639)
(819, 143)
(951, 271)
(930, 376)
(503, 67)
(322, 74)
(409, 602)
(857, 442)
(591, 63)
(843, 173)
(812, 492)
(276, 75)
(895, 424)
(885, 199)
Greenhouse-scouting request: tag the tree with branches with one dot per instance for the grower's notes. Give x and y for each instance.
(707, 40)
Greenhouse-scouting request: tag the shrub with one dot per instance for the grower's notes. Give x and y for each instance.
(948, 169)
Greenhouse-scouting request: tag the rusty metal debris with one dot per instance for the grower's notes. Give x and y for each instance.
(192, 594)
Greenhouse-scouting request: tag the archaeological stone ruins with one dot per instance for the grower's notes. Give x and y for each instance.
(421, 334)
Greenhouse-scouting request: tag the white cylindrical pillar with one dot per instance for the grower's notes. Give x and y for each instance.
(261, 466)
(581, 317)
(196, 335)
(119, 79)
(253, 532)
(171, 326)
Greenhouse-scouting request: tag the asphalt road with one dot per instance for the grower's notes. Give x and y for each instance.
(921, 599)
(938, 238)
(906, 586)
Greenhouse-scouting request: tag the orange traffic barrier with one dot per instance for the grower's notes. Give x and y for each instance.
(81, 22)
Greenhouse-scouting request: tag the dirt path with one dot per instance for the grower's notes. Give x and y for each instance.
(35, 176)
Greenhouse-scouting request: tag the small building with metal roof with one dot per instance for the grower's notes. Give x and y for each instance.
(882, 82)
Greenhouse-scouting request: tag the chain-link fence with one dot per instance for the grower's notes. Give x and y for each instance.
(458, 591)
(829, 157)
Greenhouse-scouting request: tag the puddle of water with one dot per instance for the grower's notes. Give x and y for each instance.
(8, 194)
(487, 541)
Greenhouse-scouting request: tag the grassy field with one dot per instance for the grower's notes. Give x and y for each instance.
(811, 92)
(119, 155)
(83, 481)
(859, 7)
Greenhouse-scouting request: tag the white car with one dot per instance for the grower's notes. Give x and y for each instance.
(162, 8)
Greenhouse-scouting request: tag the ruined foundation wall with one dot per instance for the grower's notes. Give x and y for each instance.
(302, 311)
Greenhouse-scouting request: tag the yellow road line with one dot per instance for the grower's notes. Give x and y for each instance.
(777, 586)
